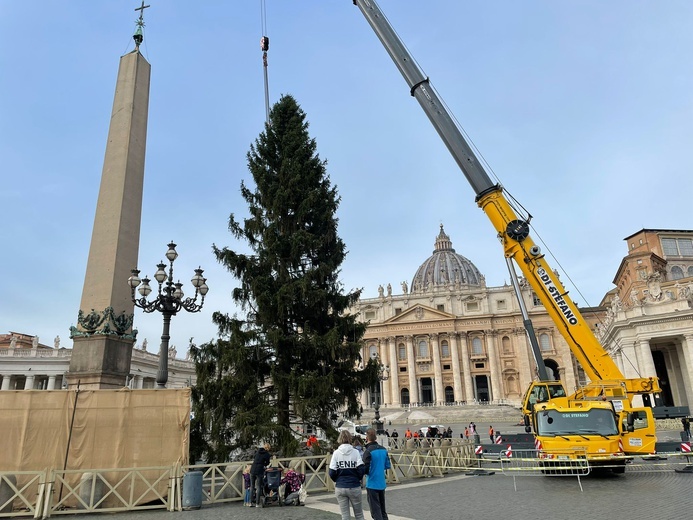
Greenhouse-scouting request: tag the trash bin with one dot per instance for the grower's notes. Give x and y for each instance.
(477, 439)
(192, 490)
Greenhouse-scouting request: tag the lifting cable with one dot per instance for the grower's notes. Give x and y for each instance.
(264, 47)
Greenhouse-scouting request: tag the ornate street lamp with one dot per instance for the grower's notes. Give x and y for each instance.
(383, 375)
(169, 300)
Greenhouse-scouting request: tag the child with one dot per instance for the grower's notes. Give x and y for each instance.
(246, 486)
(293, 482)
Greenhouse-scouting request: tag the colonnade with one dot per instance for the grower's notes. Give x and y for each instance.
(457, 358)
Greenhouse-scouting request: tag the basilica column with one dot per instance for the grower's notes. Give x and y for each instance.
(384, 385)
(466, 369)
(457, 380)
(647, 367)
(496, 387)
(686, 368)
(394, 372)
(437, 372)
(411, 369)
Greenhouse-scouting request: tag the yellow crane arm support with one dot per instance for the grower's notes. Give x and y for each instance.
(518, 245)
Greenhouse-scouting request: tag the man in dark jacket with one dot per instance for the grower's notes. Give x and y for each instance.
(257, 473)
(377, 462)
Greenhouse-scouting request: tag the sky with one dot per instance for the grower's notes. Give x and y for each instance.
(582, 109)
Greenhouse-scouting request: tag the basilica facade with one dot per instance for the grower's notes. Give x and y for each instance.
(448, 338)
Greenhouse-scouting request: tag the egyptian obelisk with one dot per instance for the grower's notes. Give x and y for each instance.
(103, 338)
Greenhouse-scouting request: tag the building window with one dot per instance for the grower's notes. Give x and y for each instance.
(402, 351)
(402, 369)
(446, 367)
(370, 315)
(477, 348)
(676, 273)
(423, 349)
(535, 300)
(690, 271)
(440, 308)
(507, 345)
(677, 246)
(473, 306)
(398, 310)
(501, 305)
(478, 365)
(373, 351)
(445, 349)
(544, 342)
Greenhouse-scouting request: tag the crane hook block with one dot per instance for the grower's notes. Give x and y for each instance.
(264, 43)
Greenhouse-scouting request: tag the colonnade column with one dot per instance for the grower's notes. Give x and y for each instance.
(466, 370)
(384, 385)
(496, 388)
(29, 385)
(51, 383)
(411, 370)
(457, 380)
(5, 382)
(394, 371)
(437, 373)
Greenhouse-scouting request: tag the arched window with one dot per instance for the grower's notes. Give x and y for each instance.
(690, 270)
(477, 348)
(507, 346)
(402, 351)
(444, 349)
(544, 342)
(423, 349)
(676, 273)
(373, 351)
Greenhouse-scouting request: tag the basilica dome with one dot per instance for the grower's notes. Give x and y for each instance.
(445, 267)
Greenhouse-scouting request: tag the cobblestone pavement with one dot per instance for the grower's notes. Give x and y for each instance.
(639, 494)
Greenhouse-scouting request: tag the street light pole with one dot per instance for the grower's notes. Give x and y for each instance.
(168, 302)
(383, 375)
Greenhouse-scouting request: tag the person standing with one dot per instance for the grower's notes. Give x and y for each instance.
(490, 433)
(346, 471)
(246, 486)
(377, 462)
(686, 422)
(257, 474)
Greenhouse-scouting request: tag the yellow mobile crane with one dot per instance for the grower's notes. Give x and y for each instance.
(598, 422)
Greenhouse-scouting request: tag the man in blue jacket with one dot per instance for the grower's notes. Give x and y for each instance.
(377, 462)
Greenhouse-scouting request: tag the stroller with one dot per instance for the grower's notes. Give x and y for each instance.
(272, 495)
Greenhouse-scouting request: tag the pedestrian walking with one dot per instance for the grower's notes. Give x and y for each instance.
(377, 462)
(346, 471)
(257, 474)
(490, 433)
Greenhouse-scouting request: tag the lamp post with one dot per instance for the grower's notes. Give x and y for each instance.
(383, 375)
(168, 302)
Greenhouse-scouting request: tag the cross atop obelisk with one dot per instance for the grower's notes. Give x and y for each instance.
(138, 36)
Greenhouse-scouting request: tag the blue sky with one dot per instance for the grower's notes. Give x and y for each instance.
(583, 109)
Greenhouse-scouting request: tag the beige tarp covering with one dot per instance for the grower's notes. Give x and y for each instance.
(112, 429)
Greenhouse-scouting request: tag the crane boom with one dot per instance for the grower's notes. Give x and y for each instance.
(512, 230)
